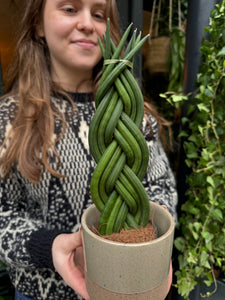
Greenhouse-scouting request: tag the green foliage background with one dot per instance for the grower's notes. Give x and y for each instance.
(202, 224)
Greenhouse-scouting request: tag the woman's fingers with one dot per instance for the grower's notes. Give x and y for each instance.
(67, 253)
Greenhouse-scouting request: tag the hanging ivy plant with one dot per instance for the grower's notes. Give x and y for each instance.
(176, 60)
(202, 224)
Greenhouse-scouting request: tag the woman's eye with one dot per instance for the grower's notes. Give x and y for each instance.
(70, 9)
(99, 15)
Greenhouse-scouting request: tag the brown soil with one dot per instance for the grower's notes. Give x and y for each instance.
(144, 234)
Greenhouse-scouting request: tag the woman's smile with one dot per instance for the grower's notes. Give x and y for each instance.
(85, 44)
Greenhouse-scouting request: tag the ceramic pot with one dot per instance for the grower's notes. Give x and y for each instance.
(128, 271)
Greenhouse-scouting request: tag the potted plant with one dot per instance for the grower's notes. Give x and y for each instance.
(201, 225)
(120, 269)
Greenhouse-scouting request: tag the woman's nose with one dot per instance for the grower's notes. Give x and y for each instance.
(85, 22)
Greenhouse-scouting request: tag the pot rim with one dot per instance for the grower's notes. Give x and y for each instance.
(162, 237)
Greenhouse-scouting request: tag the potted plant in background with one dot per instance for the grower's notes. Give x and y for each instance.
(202, 224)
(168, 74)
(120, 269)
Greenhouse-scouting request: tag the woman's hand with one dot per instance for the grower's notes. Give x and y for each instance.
(68, 260)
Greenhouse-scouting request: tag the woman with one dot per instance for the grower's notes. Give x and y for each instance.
(45, 161)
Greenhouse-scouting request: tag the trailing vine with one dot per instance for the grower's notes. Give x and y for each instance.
(202, 224)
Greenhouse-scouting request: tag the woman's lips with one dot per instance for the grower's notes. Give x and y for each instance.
(85, 44)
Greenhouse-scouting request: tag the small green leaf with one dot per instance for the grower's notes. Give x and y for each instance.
(221, 52)
(188, 162)
(217, 214)
(207, 236)
(204, 259)
(183, 134)
(198, 271)
(184, 120)
(163, 95)
(210, 193)
(202, 107)
(209, 246)
(208, 283)
(219, 261)
(210, 180)
(186, 286)
(192, 257)
(197, 226)
(179, 244)
(195, 235)
(192, 155)
(201, 130)
(178, 98)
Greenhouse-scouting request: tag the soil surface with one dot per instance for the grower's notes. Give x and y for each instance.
(144, 234)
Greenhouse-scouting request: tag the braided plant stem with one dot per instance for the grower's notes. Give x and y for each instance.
(116, 141)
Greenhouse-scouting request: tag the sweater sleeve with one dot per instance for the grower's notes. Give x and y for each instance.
(24, 240)
(159, 180)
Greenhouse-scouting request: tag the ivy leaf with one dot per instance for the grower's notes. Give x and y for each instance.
(207, 236)
(192, 138)
(208, 283)
(202, 221)
(202, 107)
(217, 214)
(209, 246)
(197, 226)
(210, 180)
(185, 284)
(183, 134)
(196, 237)
(210, 193)
(198, 271)
(219, 261)
(179, 243)
(204, 259)
(192, 258)
(221, 52)
(184, 120)
(201, 130)
(205, 154)
(178, 98)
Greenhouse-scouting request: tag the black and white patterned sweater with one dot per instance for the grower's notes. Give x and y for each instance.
(32, 215)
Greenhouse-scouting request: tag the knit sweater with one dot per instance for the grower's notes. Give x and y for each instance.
(32, 215)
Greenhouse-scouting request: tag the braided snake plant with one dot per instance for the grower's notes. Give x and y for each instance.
(116, 141)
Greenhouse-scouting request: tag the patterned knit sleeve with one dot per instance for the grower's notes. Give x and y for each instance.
(17, 228)
(24, 240)
(159, 180)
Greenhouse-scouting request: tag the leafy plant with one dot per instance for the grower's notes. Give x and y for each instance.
(176, 60)
(202, 225)
(175, 29)
(116, 141)
(179, 14)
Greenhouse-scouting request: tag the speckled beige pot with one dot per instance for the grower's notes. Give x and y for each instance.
(128, 271)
